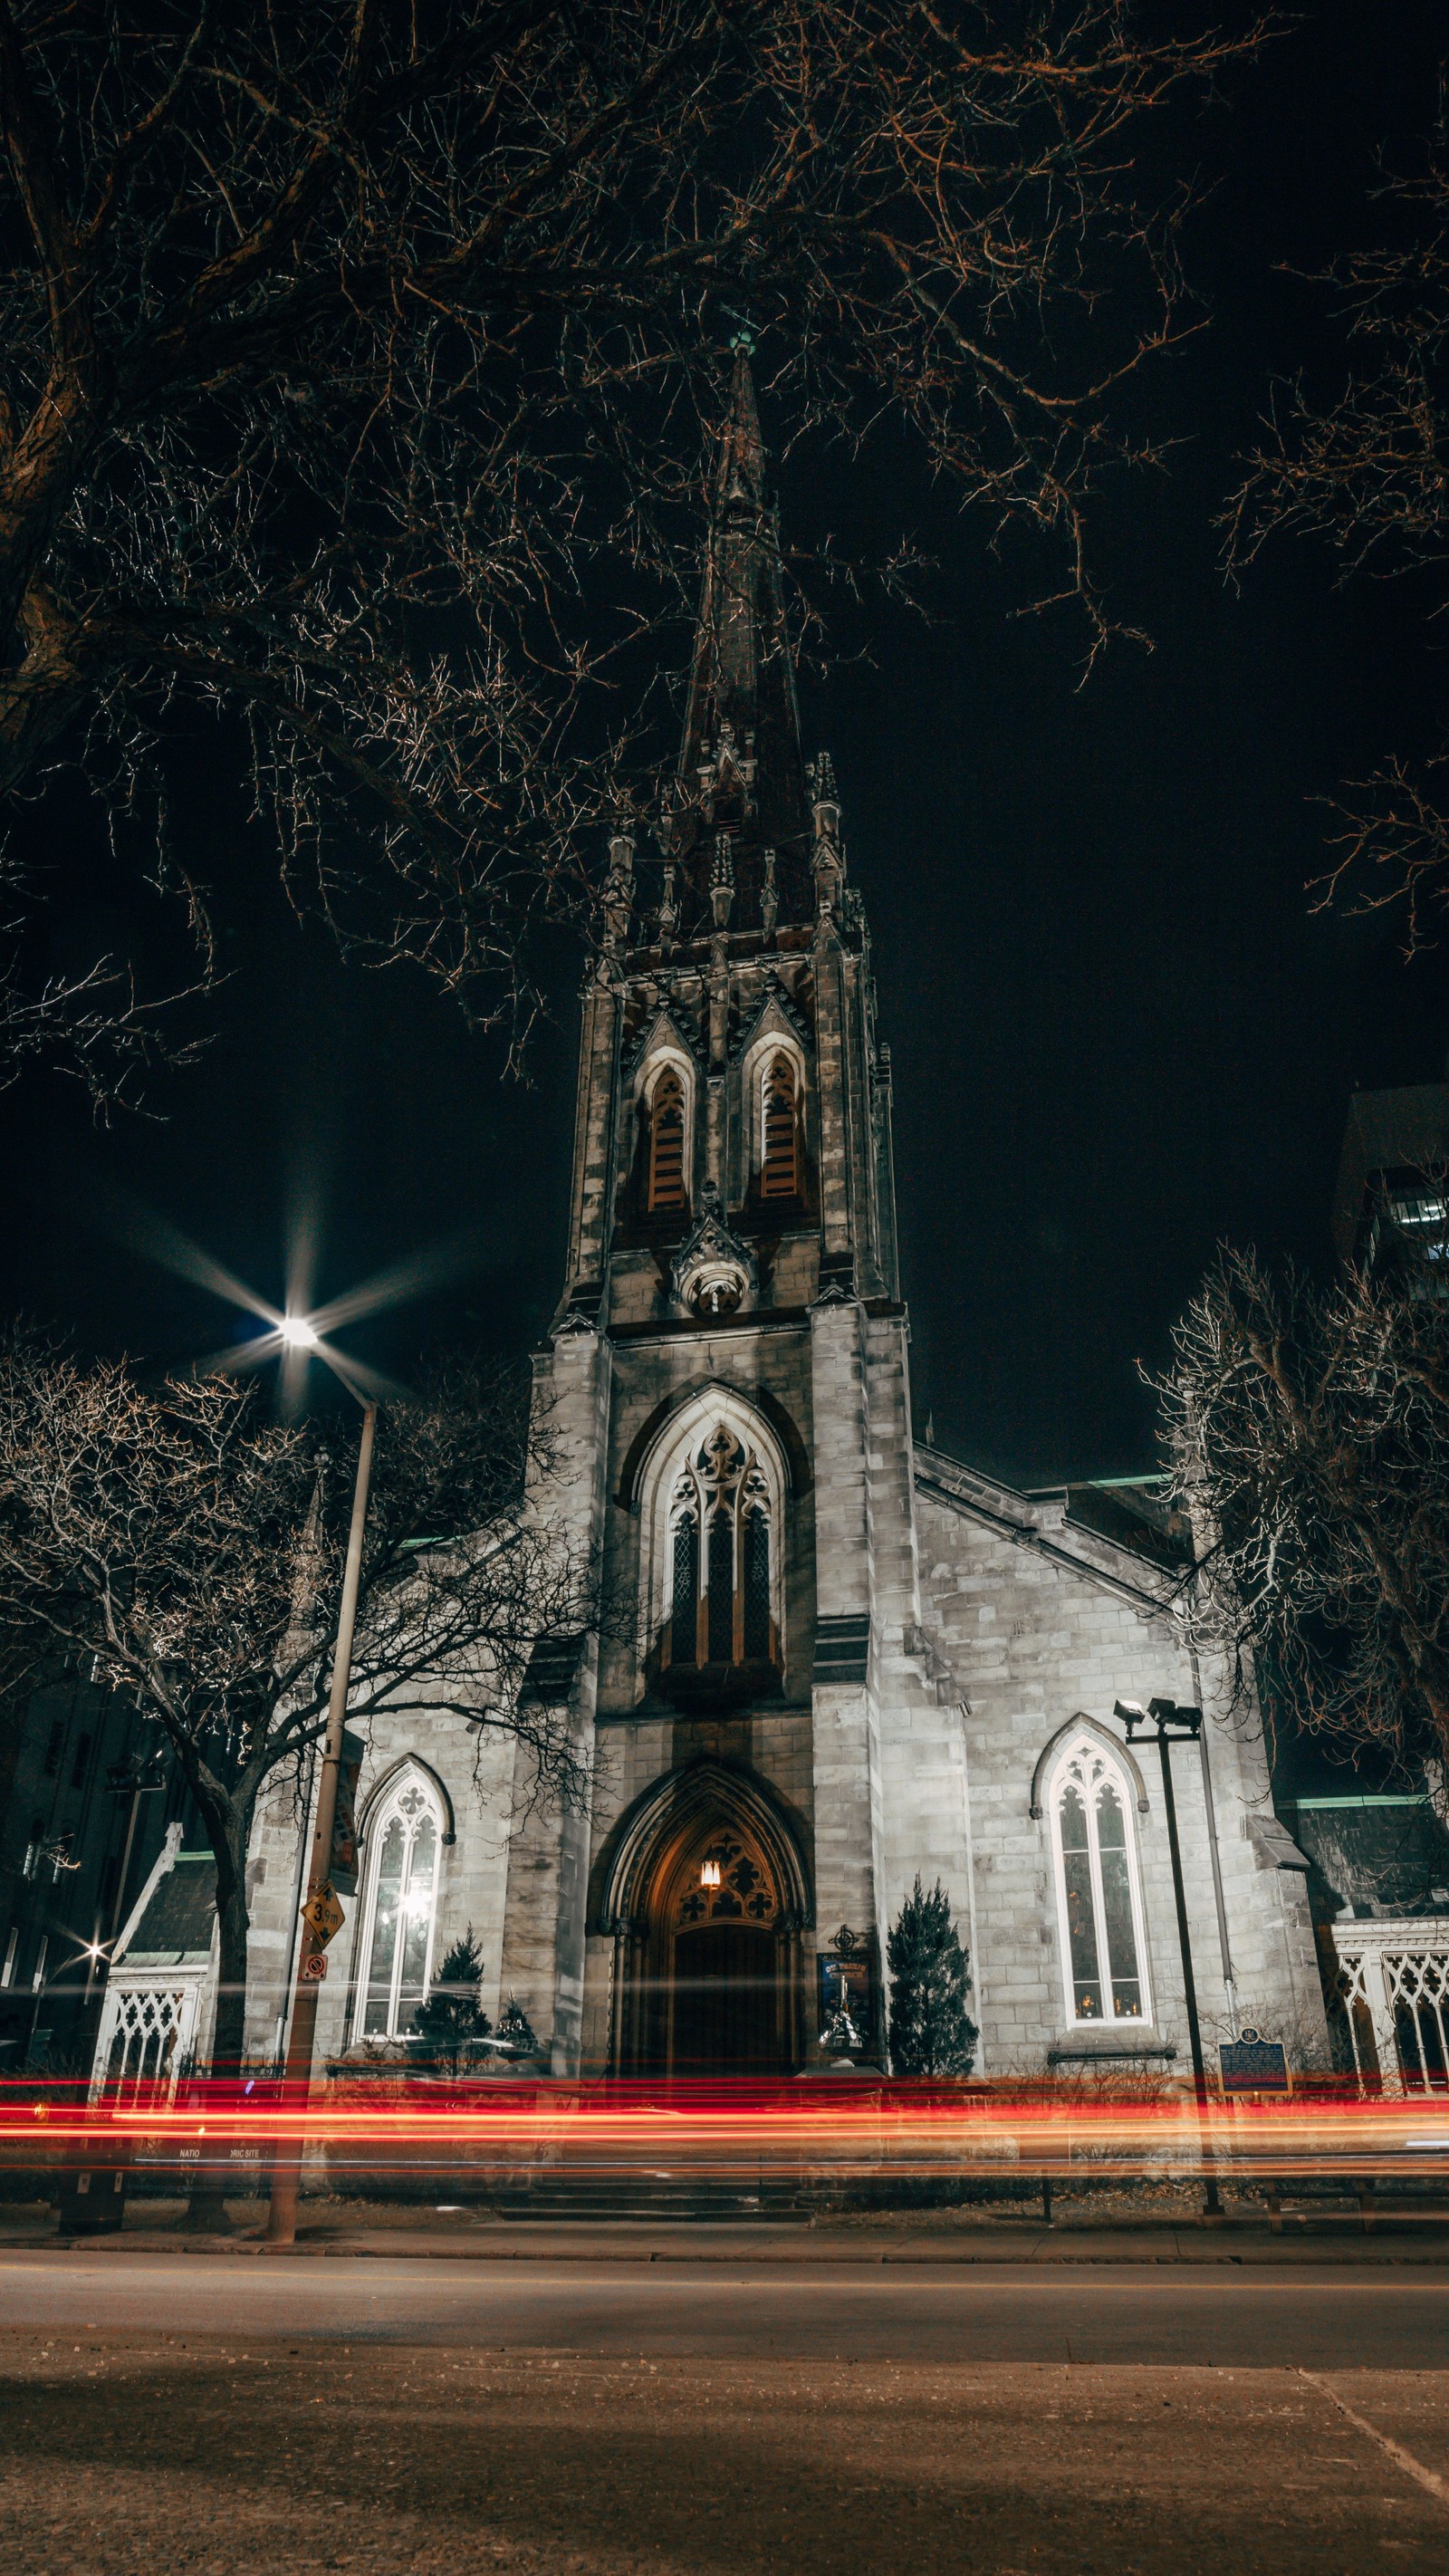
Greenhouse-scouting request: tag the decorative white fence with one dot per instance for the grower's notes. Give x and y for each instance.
(146, 2033)
(1392, 2006)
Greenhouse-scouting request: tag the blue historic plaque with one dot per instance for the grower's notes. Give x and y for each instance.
(1254, 2065)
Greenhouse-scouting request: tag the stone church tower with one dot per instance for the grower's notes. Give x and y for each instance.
(842, 1658)
(728, 1379)
(838, 1645)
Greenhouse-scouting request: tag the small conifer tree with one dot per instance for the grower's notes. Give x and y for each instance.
(452, 2016)
(931, 2031)
(516, 2030)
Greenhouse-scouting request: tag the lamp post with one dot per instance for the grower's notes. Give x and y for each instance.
(1176, 1725)
(312, 1953)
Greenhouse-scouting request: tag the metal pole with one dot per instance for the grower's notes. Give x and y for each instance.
(1199, 2071)
(299, 1889)
(297, 2080)
(1230, 1982)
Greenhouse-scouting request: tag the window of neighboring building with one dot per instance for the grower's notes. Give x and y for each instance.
(7, 1972)
(1098, 1890)
(400, 1899)
(720, 1608)
(54, 1741)
(779, 1129)
(81, 1764)
(666, 1140)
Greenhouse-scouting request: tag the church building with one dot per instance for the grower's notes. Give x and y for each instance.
(848, 1659)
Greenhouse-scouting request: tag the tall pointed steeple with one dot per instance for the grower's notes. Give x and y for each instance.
(741, 830)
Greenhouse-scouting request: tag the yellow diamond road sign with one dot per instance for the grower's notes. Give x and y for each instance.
(324, 1912)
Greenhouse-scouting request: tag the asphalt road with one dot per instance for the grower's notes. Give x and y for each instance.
(1394, 2319)
(229, 2415)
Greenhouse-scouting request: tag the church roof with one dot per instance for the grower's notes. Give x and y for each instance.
(741, 787)
(176, 1925)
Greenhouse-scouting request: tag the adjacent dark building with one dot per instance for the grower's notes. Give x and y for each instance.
(83, 1813)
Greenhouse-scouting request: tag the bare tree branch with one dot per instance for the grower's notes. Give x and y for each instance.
(1308, 1431)
(356, 366)
(190, 1552)
(1366, 469)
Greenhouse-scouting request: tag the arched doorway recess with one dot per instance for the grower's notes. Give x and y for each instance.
(703, 1888)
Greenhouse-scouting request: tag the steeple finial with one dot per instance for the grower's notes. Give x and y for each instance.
(740, 763)
(740, 479)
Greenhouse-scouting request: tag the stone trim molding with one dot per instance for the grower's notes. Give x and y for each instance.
(382, 1785)
(1081, 1724)
(794, 1455)
(621, 1871)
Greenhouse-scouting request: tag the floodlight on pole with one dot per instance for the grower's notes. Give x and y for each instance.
(298, 1334)
(1178, 1725)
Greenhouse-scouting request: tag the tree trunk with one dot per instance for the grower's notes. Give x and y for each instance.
(228, 1833)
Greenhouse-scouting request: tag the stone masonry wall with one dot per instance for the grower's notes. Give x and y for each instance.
(1026, 1644)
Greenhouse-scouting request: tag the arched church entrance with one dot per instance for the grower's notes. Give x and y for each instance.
(706, 1900)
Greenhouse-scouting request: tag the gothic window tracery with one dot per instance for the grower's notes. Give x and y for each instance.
(721, 1556)
(728, 1884)
(667, 1106)
(1098, 1887)
(400, 1895)
(779, 1130)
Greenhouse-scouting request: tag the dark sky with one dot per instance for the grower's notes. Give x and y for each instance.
(1119, 1033)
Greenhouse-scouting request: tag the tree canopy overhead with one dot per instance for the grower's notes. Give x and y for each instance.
(1360, 463)
(355, 361)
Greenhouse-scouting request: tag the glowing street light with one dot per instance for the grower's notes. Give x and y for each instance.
(297, 1335)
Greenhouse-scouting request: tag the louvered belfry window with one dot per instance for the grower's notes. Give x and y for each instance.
(666, 1142)
(779, 1173)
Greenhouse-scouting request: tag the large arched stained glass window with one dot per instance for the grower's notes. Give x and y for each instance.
(400, 1903)
(1098, 1890)
(721, 1604)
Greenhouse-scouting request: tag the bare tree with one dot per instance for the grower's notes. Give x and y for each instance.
(1367, 468)
(355, 360)
(189, 1552)
(1308, 1430)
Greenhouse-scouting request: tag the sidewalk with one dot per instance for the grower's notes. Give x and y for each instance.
(461, 2236)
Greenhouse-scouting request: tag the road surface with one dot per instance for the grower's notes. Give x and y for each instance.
(1393, 2318)
(236, 2415)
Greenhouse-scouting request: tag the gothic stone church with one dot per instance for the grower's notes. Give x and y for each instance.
(856, 1659)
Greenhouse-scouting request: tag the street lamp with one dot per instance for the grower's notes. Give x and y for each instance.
(1176, 1725)
(296, 1337)
(312, 1949)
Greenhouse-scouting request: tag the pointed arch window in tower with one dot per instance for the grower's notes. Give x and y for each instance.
(666, 1141)
(721, 1565)
(779, 1150)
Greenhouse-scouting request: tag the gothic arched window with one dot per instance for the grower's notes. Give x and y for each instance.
(720, 1608)
(666, 1141)
(399, 1908)
(1099, 1893)
(779, 1131)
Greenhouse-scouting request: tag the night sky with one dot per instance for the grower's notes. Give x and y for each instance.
(1119, 1033)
